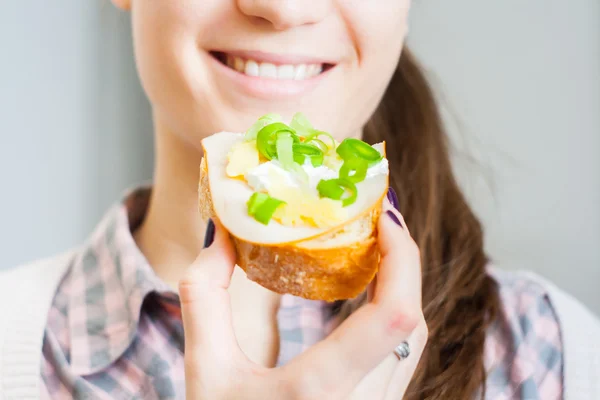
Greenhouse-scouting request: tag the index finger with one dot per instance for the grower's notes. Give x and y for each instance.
(205, 304)
(336, 365)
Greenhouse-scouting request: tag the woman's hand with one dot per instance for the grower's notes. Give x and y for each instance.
(356, 360)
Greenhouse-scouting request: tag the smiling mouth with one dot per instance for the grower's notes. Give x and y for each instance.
(270, 70)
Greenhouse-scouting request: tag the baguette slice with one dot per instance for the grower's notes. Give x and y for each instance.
(314, 263)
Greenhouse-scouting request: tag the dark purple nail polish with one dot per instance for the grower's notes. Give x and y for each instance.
(393, 198)
(209, 236)
(393, 217)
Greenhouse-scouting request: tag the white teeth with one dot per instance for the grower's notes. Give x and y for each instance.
(314, 70)
(300, 72)
(285, 72)
(272, 71)
(251, 68)
(268, 70)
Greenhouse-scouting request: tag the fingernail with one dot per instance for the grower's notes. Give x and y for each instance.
(393, 198)
(393, 217)
(209, 236)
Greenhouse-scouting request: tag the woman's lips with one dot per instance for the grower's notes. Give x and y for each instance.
(271, 76)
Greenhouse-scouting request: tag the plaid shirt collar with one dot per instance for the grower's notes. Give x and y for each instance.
(110, 279)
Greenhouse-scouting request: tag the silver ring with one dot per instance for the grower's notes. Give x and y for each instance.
(402, 351)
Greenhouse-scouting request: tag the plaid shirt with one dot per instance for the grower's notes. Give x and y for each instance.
(114, 329)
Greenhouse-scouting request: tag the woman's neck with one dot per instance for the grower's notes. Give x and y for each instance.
(172, 233)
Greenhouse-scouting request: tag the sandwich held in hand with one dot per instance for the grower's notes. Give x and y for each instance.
(301, 208)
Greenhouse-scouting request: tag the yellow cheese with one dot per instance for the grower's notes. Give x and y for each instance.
(333, 161)
(242, 156)
(305, 208)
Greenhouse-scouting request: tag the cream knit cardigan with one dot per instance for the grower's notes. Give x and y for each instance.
(26, 294)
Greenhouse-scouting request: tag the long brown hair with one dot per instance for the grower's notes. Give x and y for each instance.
(459, 298)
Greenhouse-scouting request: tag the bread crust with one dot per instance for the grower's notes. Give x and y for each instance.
(309, 268)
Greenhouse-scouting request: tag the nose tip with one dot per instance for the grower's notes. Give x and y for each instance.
(286, 14)
(282, 23)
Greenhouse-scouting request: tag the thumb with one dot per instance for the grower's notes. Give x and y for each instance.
(205, 303)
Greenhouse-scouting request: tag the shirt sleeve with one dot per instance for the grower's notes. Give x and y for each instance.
(523, 354)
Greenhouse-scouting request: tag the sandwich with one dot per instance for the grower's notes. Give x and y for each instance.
(300, 207)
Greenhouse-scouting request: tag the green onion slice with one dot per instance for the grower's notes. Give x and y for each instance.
(284, 146)
(320, 144)
(301, 124)
(329, 188)
(261, 123)
(261, 206)
(351, 147)
(303, 150)
(314, 135)
(354, 169)
(335, 189)
(267, 136)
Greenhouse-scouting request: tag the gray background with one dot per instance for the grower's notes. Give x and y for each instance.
(521, 87)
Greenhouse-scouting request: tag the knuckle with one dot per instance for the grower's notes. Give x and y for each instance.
(195, 283)
(186, 287)
(186, 292)
(402, 319)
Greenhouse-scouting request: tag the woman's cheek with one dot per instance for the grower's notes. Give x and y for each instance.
(378, 36)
